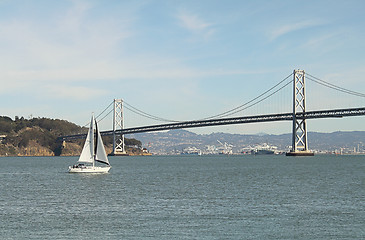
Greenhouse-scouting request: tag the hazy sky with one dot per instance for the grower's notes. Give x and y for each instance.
(180, 60)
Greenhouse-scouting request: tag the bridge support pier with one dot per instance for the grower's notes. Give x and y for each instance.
(118, 124)
(299, 137)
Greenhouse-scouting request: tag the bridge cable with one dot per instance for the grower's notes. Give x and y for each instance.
(104, 111)
(144, 114)
(101, 114)
(330, 85)
(237, 109)
(224, 114)
(259, 101)
(105, 115)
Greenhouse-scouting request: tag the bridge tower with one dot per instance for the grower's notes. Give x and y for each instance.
(299, 135)
(118, 124)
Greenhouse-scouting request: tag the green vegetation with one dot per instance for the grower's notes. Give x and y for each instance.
(37, 136)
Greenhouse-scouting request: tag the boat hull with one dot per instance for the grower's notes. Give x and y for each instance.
(88, 169)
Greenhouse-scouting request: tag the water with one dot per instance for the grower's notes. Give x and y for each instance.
(185, 197)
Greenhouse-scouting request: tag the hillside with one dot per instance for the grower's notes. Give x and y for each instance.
(37, 137)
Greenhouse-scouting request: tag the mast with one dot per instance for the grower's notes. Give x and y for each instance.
(93, 139)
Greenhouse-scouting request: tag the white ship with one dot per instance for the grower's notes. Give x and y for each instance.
(191, 151)
(264, 149)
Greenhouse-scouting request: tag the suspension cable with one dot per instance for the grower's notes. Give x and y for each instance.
(259, 101)
(240, 108)
(100, 115)
(236, 109)
(332, 86)
(105, 115)
(144, 114)
(104, 111)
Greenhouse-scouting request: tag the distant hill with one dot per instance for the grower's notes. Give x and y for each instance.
(37, 137)
(175, 140)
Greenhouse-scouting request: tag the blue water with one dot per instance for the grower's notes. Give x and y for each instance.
(185, 197)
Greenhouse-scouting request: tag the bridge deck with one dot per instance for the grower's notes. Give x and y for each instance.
(337, 113)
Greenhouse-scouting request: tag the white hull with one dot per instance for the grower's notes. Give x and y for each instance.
(89, 169)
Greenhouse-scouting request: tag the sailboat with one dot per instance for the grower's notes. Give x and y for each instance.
(92, 152)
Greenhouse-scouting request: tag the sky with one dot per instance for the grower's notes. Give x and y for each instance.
(180, 60)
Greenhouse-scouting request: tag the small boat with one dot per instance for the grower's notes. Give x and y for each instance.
(191, 151)
(92, 152)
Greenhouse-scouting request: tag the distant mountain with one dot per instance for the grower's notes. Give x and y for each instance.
(175, 141)
(337, 140)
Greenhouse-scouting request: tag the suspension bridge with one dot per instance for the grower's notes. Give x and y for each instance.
(298, 115)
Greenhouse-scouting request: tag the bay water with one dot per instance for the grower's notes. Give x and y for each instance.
(185, 197)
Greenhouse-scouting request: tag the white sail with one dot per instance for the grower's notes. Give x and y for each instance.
(100, 154)
(87, 154)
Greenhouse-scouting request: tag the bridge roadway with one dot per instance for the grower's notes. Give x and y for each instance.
(337, 113)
